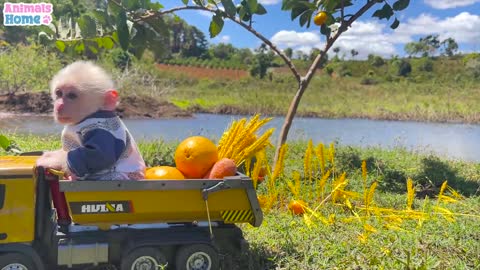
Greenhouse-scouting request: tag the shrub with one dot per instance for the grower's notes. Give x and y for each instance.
(425, 64)
(404, 68)
(377, 61)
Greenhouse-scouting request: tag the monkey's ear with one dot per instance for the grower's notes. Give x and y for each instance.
(111, 98)
(113, 92)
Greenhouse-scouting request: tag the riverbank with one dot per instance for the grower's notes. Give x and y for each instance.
(40, 103)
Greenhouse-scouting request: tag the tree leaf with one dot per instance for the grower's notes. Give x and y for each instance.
(297, 11)
(122, 30)
(325, 30)
(93, 49)
(216, 26)
(199, 2)
(80, 47)
(4, 142)
(229, 7)
(60, 45)
(385, 13)
(185, 2)
(395, 24)
(107, 43)
(401, 5)
(252, 6)
(330, 5)
(288, 4)
(306, 17)
(88, 27)
(156, 6)
(260, 9)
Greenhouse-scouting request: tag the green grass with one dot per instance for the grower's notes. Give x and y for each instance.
(284, 241)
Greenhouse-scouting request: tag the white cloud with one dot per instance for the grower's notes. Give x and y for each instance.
(463, 28)
(286, 38)
(445, 4)
(223, 39)
(205, 13)
(364, 37)
(269, 2)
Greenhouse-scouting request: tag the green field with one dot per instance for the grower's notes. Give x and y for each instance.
(422, 238)
(447, 93)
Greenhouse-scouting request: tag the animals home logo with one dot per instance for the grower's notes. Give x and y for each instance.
(23, 14)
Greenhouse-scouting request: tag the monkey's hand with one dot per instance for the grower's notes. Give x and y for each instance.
(54, 160)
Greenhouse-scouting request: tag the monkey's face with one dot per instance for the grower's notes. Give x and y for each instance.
(72, 105)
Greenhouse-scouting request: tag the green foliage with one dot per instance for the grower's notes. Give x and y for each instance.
(375, 60)
(8, 145)
(263, 60)
(25, 68)
(426, 64)
(404, 68)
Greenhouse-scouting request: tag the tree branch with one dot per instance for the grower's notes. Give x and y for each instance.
(152, 14)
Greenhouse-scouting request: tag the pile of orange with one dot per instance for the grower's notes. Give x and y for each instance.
(195, 158)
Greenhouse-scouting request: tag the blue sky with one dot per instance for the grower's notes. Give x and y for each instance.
(459, 19)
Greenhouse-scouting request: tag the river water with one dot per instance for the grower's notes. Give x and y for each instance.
(454, 141)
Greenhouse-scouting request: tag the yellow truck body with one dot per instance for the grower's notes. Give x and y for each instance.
(17, 206)
(108, 203)
(48, 222)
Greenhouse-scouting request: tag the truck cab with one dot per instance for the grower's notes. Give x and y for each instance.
(47, 222)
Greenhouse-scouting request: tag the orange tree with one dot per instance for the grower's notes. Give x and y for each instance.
(137, 24)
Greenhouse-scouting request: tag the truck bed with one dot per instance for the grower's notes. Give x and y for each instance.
(107, 203)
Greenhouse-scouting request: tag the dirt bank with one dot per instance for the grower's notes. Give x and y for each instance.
(130, 106)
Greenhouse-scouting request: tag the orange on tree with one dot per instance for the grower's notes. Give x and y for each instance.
(320, 18)
(163, 172)
(195, 156)
(297, 207)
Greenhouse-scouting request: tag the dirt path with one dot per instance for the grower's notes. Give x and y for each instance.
(130, 106)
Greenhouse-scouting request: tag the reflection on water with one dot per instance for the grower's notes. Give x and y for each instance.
(451, 140)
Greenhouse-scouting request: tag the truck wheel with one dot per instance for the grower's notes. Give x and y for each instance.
(15, 261)
(197, 257)
(146, 258)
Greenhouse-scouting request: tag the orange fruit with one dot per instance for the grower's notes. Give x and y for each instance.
(163, 172)
(222, 168)
(297, 207)
(320, 18)
(195, 155)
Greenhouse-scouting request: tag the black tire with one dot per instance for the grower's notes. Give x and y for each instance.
(149, 256)
(16, 261)
(197, 257)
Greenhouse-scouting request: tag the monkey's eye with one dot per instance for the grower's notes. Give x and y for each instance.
(58, 93)
(72, 96)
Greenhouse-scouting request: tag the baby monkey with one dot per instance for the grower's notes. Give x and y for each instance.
(96, 145)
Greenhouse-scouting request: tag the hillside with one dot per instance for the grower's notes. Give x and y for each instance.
(447, 91)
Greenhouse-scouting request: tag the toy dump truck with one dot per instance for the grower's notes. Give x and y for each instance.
(50, 223)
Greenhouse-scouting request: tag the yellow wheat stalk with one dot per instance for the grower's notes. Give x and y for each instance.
(227, 139)
(321, 184)
(331, 156)
(410, 193)
(321, 157)
(338, 186)
(308, 160)
(369, 197)
(258, 145)
(278, 169)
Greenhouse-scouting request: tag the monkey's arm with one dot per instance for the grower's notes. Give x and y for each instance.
(100, 150)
